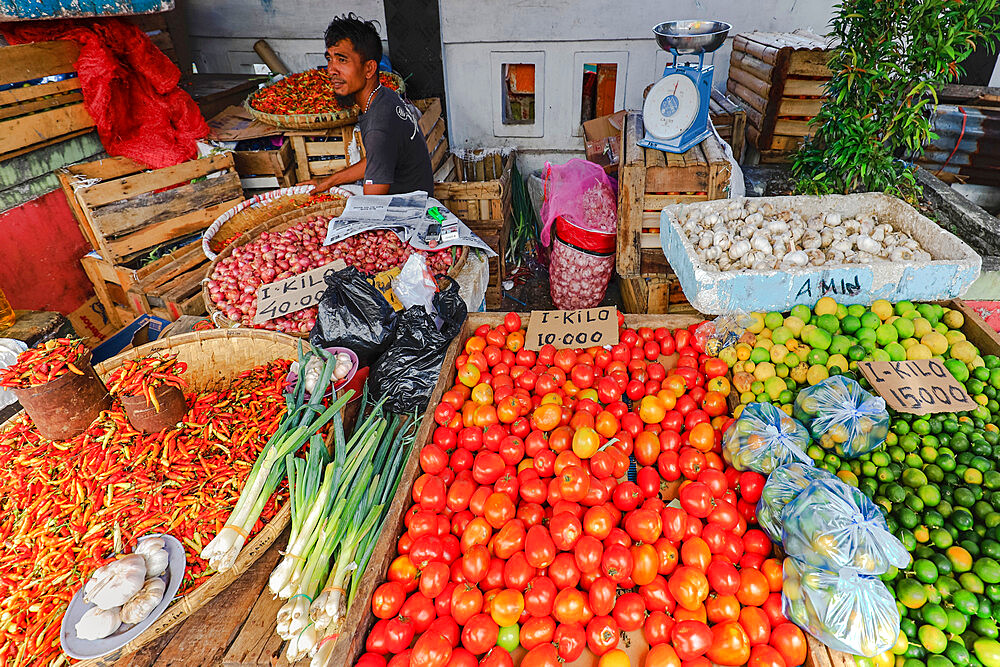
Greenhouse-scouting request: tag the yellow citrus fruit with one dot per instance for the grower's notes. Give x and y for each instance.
(825, 306)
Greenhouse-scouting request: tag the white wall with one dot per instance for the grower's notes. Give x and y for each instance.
(472, 30)
(223, 32)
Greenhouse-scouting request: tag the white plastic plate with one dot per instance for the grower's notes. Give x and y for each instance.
(84, 649)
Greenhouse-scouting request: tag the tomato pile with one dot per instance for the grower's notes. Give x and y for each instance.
(526, 540)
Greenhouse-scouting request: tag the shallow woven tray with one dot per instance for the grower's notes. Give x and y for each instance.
(212, 358)
(278, 224)
(311, 121)
(255, 211)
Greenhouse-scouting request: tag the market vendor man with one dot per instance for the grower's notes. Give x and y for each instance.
(396, 158)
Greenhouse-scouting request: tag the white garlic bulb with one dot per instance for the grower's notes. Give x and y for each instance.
(113, 584)
(796, 258)
(868, 244)
(98, 623)
(140, 605)
(155, 556)
(343, 366)
(739, 249)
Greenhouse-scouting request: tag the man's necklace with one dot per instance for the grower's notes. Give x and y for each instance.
(370, 96)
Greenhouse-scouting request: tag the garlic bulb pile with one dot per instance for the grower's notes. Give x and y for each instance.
(125, 590)
(314, 370)
(755, 235)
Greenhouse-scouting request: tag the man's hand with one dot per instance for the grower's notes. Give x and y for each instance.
(320, 184)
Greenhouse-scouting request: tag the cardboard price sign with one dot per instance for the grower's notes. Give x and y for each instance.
(918, 387)
(572, 328)
(295, 293)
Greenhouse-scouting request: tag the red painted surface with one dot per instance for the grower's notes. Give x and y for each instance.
(40, 250)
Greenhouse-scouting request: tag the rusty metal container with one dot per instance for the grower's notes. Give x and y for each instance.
(64, 407)
(144, 416)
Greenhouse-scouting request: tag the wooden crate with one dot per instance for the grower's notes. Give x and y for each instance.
(481, 198)
(111, 284)
(266, 170)
(172, 286)
(126, 210)
(730, 121)
(433, 128)
(779, 79)
(649, 180)
(42, 114)
(322, 152)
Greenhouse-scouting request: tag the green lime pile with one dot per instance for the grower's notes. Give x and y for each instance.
(779, 354)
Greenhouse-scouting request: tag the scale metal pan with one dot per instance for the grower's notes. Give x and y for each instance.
(691, 37)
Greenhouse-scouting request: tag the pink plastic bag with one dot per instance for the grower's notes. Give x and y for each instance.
(577, 278)
(582, 193)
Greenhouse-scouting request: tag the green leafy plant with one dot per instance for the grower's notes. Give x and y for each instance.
(890, 58)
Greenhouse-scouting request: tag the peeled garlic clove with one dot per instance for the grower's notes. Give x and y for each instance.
(98, 623)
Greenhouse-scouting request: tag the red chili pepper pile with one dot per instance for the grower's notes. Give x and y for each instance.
(305, 93)
(140, 377)
(62, 503)
(44, 363)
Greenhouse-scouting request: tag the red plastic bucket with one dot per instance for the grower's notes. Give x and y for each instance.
(585, 239)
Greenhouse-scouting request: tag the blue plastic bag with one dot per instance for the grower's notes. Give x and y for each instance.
(833, 526)
(764, 438)
(842, 417)
(846, 611)
(783, 485)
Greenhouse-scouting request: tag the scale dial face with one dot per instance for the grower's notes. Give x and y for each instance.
(671, 106)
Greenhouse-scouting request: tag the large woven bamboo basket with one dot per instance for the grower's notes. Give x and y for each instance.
(278, 224)
(312, 121)
(212, 358)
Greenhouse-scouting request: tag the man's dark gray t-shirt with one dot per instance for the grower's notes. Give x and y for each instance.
(394, 146)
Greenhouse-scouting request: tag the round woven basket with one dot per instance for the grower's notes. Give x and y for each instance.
(278, 224)
(213, 358)
(255, 211)
(312, 121)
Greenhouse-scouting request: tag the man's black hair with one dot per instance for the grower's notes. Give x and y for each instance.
(363, 35)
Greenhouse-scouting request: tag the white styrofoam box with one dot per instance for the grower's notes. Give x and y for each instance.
(954, 267)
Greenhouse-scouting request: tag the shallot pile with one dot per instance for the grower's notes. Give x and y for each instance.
(275, 256)
(758, 236)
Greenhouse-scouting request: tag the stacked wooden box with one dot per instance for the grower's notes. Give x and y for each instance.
(478, 192)
(779, 79)
(649, 180)
(267, 169)
(35, 116)
(127, 213)
(730, 121)
(433, 128)
(322, 152)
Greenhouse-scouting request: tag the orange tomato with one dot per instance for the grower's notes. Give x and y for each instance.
(515, 341)
(719, 384)
(482, 394)
(772, 570)
(564, 460)
(614, 658)
(552, 397)
(668, 397)
(586, 442)
(606, 424)
(506, 607)
(546, 417)
(697, 614)
(475, 344)
(581, 420)
(561, 439)
(714, 403)
(486, 415)
(702, 437)
(676, 384)
(652, 410)
(469, 375)
(646, 448)
(570, 388)
(645, 563)
(722, 608)
(695, 553)
(508, 410)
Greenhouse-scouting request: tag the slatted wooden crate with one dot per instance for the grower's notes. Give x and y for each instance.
(111, 284)
(433, 128)
(266, 169)
(124, 210)
(779, 79)
(480, 196)
(39, 115)
(649, 180)
(172, 287)
(322, 152)
(730, 121)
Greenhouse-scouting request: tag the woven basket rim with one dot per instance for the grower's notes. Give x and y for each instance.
(220, 320)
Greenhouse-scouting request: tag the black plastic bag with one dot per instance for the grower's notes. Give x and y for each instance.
(354, 314)
(409, 369)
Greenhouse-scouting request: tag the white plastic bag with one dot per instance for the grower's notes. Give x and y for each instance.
(415, 286)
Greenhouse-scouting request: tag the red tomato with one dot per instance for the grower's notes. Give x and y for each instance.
(539, 596)
(512, 322)
(539, 549)
(755, 624)
(674, 521)
(565, 530)
(629, 612)
(723, 577)
(627, 496)
(497, 657)
(569, 605)
(643, 525)
(695, 553)
(420, 610)
(790, 643)
(765, 656)
(691, 462)
(517, 574)
(570, 640)
(753, 588)
(616, 563)
(751, 486)
(387, 599)
(724, 514)
(588, 553)
(433, 579)
(400, 659)
(756, 541)
(398, 634)
(772, 569)
(466, 602)
(431, 650)
(696, 499)
(536, 631)
(602, 634)
(730, 645)
(601, 595)
(722, 608)
(690, 639)
(668, 556)
(564, 572)
(689, 587)
(375, 642)
(370, 660)
(772, 607)
(648, 480)
(509, 539)
(480, 634)
(657, 629)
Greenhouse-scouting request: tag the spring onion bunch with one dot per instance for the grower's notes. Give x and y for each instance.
(302, 420)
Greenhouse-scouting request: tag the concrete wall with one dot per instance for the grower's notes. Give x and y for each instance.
(559, 36)
(222, 32)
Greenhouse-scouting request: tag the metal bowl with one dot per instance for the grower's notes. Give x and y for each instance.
(691, 37)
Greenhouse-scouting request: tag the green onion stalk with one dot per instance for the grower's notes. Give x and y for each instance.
(302, 420)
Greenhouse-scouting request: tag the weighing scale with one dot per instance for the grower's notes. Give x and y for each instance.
(675, 112)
